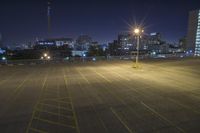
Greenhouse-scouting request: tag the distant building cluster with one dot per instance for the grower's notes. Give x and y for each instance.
(124, 44)
(193, 36)
(149, 44)
(56, 42)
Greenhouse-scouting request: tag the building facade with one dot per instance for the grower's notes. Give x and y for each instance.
(57, 42)
(83, 42)
(126, 41)
(193, 35)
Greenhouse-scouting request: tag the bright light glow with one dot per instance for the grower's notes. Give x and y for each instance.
(42, 57)
(94, 59)
(136, 31)
(48, 57)
(45, 54)
(3, 58)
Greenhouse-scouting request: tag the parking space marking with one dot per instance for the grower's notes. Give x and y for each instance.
(102, 76)
(53, 113)
(97, 114)
(83, 76)
(54, 106)
(37, 130)
(53, 122)
(120, 119)
(162, 117)
(73, 109)
(35, 107)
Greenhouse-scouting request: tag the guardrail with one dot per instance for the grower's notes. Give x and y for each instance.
(89, 59)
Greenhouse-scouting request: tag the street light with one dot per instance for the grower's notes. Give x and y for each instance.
(4, 59)
(137, 32)
(45, 54)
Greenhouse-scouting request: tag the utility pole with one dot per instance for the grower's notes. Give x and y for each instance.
(49, 17)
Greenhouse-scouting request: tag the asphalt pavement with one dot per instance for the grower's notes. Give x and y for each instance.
(162, 96)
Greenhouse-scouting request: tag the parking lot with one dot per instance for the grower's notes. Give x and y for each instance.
(163, 96)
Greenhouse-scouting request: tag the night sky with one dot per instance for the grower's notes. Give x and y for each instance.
(24, 20)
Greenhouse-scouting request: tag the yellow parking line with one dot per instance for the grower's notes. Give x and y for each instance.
(52, 113)
(56, 100)
(37, 130)
(83, 76)
(102, 76)
(17, 89)
(33, 114)
(119, 118)
(53, 122)
(74, 113)
(121, 76)
(54, 106)
(46, 99)
(4, 80)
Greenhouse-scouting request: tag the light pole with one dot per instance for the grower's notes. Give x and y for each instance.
(137, 33)
(5, 60)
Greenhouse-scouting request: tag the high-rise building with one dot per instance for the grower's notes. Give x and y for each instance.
(193, 35)
(125, 40)
(83, 42)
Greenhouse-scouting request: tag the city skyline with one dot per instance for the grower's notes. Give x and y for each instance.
(26, 20)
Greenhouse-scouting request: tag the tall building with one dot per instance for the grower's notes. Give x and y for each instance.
(126, 41)
(193, 35)
(83, 42)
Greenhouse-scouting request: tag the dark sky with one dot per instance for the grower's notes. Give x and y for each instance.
(24, 20)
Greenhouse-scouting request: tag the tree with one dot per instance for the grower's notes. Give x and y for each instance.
(96, 50)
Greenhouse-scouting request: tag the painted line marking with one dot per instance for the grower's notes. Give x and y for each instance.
(54, 106)
(122, 122)
(184, 106)
(97, 114)
(102, 76)
(53, 123)
(33, 114)
(162, 117)
(58, 101)
(55, 99)
(37, 130)
(121, 76)
(83, 76)
(53, 113)
(73, 109)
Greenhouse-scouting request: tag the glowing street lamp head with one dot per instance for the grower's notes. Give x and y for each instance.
(48, 57)
(45, 54)
(136, 30)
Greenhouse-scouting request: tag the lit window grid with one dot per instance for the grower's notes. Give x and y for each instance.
(197, 43)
